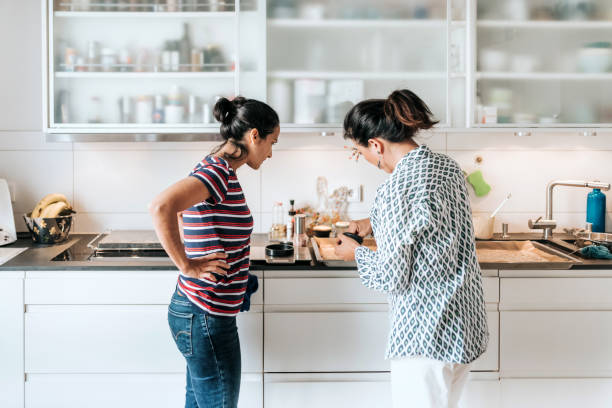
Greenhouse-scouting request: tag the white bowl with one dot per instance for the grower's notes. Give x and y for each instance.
(493, 60)
(524, 63)
(595, 60)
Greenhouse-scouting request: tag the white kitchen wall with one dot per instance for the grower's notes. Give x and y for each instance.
(111, 184)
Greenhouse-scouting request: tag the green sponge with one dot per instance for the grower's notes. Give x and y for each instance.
(481, 188)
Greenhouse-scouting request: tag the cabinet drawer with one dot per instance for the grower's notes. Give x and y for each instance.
(105, 288)
(329, 393)
(489, 361)
(556, 344)
(556, 293)
(319, 342)
(118, 339)
(319, 291)
(123, 391)
(558, 393)
(341, 290)
(490, 289)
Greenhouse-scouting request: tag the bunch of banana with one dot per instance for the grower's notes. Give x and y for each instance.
(51, 206)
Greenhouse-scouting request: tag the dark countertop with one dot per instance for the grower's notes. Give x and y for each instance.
(39, 257)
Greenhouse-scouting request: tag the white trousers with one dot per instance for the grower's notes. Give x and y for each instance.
(421, 382)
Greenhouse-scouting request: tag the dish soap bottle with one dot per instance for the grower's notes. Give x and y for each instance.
(596, 210)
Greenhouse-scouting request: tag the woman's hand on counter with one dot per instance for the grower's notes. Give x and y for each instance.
(346, 248)
(360, 227)
(204, 267)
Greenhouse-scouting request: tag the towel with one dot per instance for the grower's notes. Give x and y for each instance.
(596, 251)
(252, 286)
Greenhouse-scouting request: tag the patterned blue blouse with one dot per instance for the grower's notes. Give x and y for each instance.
(426, 261)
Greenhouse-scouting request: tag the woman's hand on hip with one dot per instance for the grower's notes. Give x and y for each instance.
(204, 267)
(345, 248)
(360, 227)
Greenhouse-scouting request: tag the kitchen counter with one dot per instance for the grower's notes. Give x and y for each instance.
(39, 257)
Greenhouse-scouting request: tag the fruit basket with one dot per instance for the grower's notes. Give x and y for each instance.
(51, 219)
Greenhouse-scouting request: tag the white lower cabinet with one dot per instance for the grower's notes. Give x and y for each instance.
(481, 391)
(117, 339)
(362, 390)
(325, 342)
(111, 349)
(11, 340)
(556, 393)
(555, 342)
(123, 390)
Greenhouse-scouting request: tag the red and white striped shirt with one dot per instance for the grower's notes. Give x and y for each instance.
(223, 223)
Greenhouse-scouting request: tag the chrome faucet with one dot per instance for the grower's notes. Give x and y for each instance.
(549, 223)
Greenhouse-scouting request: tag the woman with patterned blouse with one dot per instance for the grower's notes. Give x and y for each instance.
(426, 257)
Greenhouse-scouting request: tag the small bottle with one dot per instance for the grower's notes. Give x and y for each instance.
(289, 237)
(192, 115)
(596, 210)
(205, 113)
(158, 111)
(291, 220)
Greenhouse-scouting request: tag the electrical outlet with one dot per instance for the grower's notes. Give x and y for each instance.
(355, 195)
(12, 188)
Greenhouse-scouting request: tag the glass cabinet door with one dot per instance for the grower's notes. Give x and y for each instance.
(127, 65)
(326, 55)
(543, 63)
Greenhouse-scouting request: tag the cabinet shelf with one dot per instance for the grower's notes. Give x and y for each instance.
(355, 75)
(145, 75)
(144, 14)
(545, 76)
(558, 25)
(291, 23)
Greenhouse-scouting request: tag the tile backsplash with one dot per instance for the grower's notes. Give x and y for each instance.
(111, 184)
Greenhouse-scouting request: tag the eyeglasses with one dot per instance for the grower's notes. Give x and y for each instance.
(355, 153)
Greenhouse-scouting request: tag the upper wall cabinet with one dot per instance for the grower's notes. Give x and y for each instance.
(154, 66)
(543, 63)
(326, 55)
(158, 66)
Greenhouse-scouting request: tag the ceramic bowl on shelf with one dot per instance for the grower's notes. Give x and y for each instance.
(524, 118)
(595, 58)
(524, 63)
(493, 60)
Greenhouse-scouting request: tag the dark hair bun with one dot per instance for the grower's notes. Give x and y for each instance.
(409, 110)
(224, 111)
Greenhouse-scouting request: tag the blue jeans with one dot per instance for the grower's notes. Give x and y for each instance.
(211, 347)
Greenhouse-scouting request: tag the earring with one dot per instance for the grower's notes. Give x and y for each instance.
(379, 158)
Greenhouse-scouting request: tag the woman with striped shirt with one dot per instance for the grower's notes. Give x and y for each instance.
(213, 258)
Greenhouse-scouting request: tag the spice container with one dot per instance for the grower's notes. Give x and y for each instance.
(206, 113)
(93, 56)
(158, 111)
(300, 239)
(70, 58)
(192, 118)
(95, 110)
(125, 109)
(144, 109)
(108, 59)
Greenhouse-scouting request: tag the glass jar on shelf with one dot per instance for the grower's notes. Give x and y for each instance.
(94, 114)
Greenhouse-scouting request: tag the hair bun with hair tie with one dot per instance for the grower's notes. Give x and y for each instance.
(225, 111)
